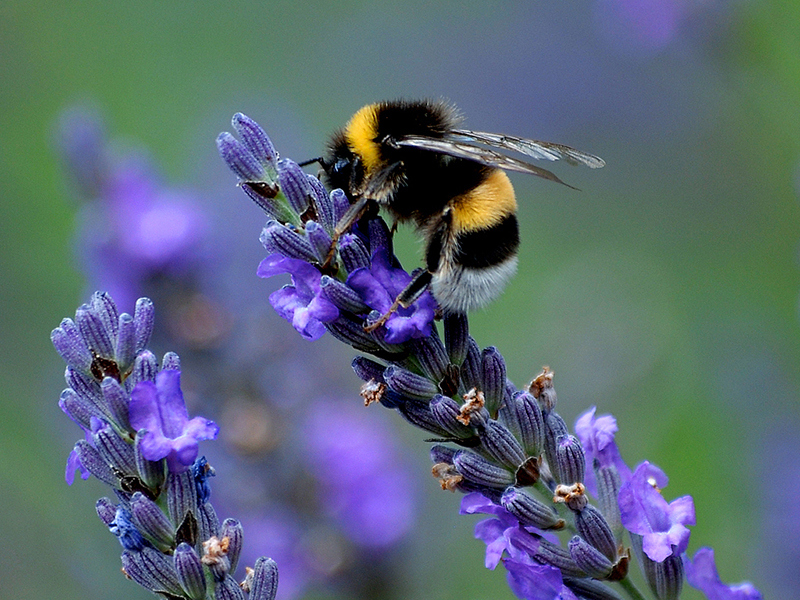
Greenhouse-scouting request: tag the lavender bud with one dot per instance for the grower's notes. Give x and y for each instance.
(530, 420)
(554, 427)
(255, 140)
(471, 367)
(171, 362)
(590, 589)
(294, 185)
(117, 401)
(153, 570)
(343, 296)
(501, 445)
(446, 412)
(493, 371)
(589, 559)
(181, 495)
(322, 204)
(592, 527)
(353, 253)
(319, 240)
(93, 331)
(409, 384)
(479, 470)
(456, 337)
(432, 356)
(190, 571)
(278, 238)
(340, 203)
(232, 529)
(115, 451)
(143, 319)
(239, 159)
(530, 511)
(443, 454)
(548, 553)
(228, 589)
(106, 310)
(608, 485)
(88, 389)
(106, 510)
(125, 350)
(151, 473)
(368, 370)
(145, 368)
(151, 522)
(207, 521)
(92, 461)
(350, 332)
(420, 415)
(570, 463)
(70, 345)
(264, 583)
(664, 578)
(77, 409)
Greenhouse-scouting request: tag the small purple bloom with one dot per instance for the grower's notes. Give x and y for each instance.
(159, 409)
(379, 285)
(74, 463)
(493, 532)
(301, 303)
(597, 436)
(533, 581)
(701, 573)
(644, 511)
(368, 490)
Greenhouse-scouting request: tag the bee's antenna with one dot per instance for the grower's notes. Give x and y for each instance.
(319, 160)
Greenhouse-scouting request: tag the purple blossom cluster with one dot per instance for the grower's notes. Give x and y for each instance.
(276, 432)
(140, 442)
(568, 514)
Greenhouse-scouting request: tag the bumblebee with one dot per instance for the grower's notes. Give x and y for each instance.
(411, 158)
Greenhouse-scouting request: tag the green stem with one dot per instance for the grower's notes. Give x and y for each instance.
(631, 589)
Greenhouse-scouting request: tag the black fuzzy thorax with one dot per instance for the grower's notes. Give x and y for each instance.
(420, 183)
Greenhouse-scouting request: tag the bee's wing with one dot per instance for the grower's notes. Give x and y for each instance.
(479, 154)
(533, 148)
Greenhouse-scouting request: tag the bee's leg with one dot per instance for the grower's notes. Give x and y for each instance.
(353, 214)
(406, 298)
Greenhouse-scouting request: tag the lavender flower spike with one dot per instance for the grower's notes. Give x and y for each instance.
(160, 411)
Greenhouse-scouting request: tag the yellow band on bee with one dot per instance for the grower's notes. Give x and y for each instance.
(486, 204)
(360, 134)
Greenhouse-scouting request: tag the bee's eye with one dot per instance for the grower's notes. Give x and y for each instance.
(340, 165)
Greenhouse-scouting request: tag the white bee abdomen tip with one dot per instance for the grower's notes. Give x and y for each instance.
(462, 290)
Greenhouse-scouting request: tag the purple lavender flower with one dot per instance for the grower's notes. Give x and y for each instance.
(379, 285)
(645, 512)
(701, 573)
(159, 410)
(301, 303)
(366, 487)
(132, 225)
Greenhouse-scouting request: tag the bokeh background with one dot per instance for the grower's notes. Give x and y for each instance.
(665, 292)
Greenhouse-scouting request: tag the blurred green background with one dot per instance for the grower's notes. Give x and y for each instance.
(666, 292)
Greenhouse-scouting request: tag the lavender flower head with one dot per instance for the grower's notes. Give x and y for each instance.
(507, 448)
(139, 441)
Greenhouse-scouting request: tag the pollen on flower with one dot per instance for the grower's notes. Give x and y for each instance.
(214, 549)
(372, 391)
(573, 495)
(653, 483)
(473, 402)
(542, 381)
(247, 582)
(447, 475)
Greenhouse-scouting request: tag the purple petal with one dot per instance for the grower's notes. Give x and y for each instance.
(701, 573)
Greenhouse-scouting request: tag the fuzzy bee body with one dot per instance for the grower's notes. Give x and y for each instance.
(411, 158)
